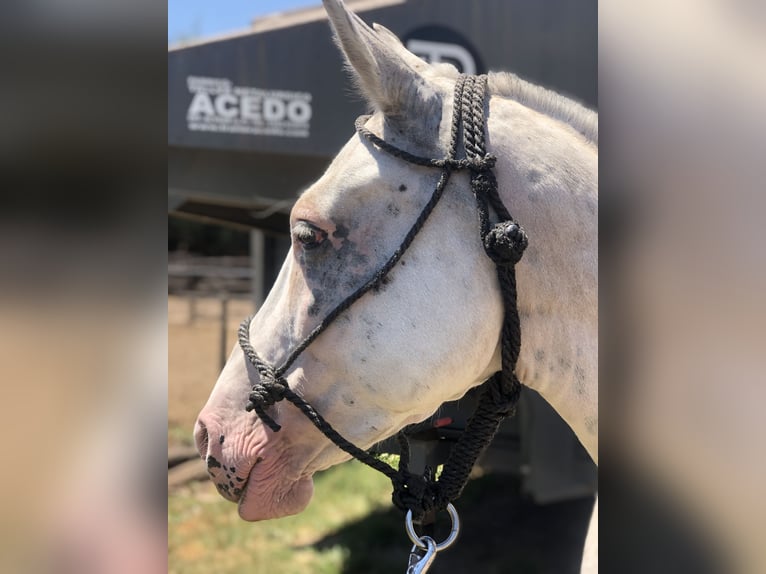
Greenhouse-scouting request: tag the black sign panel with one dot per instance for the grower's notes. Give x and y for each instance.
(441, 44)
(279, 91)
(284, 91)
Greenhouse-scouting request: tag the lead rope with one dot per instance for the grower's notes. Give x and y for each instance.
(504, 243)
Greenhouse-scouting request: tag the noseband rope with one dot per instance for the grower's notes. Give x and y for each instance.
(504, 242)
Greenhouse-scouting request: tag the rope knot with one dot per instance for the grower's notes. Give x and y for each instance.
(483, 163)
(501, 394)
(264, 395)
(420, 494)
(505, 243)
(452, 163)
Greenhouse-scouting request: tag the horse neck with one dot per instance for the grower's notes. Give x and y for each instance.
(548, 179)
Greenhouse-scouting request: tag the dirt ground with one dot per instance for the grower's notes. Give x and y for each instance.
(194, 356)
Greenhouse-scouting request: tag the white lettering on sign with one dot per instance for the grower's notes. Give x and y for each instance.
(435, 52)
(219, 106)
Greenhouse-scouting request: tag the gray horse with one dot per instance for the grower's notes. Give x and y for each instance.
(432, 331)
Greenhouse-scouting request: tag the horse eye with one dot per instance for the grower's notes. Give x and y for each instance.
(308, 235)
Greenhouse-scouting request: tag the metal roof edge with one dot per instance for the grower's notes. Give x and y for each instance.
(279, 20)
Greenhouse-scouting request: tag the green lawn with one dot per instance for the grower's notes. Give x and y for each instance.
(207, 536)
(350, 527)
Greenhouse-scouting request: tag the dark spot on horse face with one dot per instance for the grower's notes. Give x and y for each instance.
(335, 272)
(533, 176)
(539, 355)
(259, 459)
(341, 231)
(591, 424)
(579, 380)
(392, 209)
(238, 478)
(564, 363)
(358, 259)
(220, 439)
(231, 484)
(381, 286)
(228, 475)
(237, 492)
(212, 462)
(402, 187)
(316, 304)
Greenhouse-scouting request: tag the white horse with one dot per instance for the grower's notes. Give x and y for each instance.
(433, 330)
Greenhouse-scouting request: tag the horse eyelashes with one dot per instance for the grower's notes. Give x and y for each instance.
(308, 235)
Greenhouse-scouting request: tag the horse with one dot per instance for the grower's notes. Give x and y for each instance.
(431, 329)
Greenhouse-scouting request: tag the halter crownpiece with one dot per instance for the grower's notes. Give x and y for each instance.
(504, 243)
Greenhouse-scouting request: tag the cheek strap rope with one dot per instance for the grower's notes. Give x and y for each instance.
(504, 242)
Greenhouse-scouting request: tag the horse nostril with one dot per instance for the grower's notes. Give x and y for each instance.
(201, 438)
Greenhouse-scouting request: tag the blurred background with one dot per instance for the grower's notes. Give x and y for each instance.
(86, 193)
(234, 170)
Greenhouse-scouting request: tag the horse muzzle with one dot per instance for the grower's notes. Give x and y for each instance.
(251, 465)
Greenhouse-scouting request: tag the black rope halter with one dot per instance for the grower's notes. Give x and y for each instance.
(504, 242)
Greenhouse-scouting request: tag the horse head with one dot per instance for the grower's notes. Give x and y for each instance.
(425, 335)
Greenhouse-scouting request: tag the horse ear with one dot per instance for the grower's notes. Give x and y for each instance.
(395, 45)
(390, 78)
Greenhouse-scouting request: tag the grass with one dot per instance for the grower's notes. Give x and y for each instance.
(205, 534)
(350, 527)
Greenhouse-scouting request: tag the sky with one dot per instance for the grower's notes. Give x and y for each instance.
(188, 19)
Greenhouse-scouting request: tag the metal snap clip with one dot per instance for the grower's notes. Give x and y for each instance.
(419, 561)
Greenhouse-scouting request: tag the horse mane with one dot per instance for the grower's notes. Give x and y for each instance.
(547, 102)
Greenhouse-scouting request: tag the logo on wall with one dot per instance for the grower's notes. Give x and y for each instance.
(219, 106)
(437, 44)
